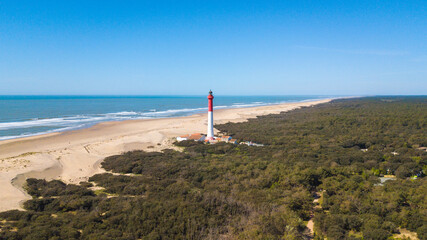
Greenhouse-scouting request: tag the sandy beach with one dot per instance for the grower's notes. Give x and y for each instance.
(76, 155)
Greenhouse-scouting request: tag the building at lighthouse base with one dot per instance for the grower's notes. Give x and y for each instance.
(199, 137)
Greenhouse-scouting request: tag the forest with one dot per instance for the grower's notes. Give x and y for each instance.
(338, 153)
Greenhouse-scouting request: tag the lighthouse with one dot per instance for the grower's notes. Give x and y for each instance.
(210, 135)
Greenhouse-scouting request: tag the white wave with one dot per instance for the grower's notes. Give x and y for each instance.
(49, 122)
(123, 113)
(41, 133)
(30, 123)
(248, 105)
(172, 111)
(220, 107)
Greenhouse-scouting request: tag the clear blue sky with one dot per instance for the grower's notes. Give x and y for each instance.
(234, 47)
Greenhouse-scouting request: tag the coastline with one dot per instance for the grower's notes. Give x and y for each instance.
(74, 156)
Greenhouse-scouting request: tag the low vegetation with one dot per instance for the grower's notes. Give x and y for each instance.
(226, 191)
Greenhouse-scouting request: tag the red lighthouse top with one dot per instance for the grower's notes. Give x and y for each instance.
(210, 97)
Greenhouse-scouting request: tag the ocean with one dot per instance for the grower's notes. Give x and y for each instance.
(22, 116)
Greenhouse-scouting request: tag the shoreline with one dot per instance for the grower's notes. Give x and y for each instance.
(73, 156)
(71, 128)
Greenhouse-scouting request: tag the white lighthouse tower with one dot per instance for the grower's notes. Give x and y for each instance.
(210, 135)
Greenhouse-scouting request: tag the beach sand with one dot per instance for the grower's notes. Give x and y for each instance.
(74, 156)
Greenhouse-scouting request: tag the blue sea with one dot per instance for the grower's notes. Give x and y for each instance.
(22, 116)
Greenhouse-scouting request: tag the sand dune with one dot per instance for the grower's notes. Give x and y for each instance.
(76, 155)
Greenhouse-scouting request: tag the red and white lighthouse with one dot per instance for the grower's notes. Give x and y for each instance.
(210, 135)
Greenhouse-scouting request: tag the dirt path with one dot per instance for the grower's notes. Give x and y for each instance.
(317, 205)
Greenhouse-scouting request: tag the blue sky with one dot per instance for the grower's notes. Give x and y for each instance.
(234, 47)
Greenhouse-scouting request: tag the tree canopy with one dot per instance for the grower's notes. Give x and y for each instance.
(227, 191)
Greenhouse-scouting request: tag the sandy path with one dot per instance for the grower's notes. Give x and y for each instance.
(310, 223)
(76, 155)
